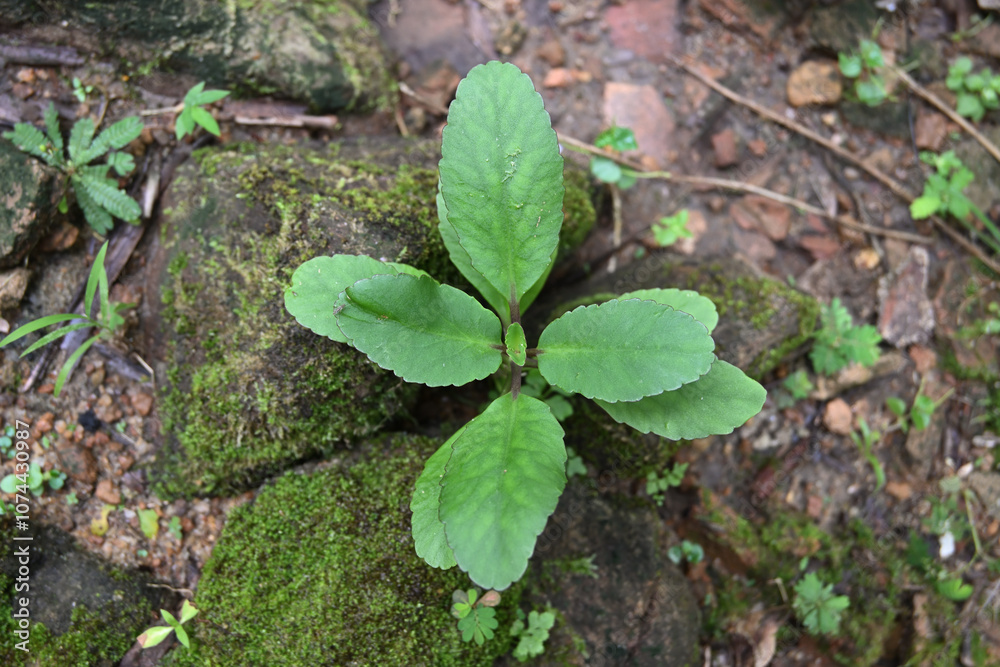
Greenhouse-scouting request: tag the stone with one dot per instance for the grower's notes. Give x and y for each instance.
(899, 490)
(724, 146)
(835, 28)
(906, 314)
(142, 402)
(986, 42)
(107, 493)
(837, 417)
(560, 77)
(930, 129)
(814, 82)
(987, 487)
(77, 462)
(13, 283)
(641, 108)
(762, 214)
(552, 52)
(648, 28)
(29, 192)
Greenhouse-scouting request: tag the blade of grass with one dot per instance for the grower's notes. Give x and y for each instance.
(40, 323)
(58, 333)
(68, 366)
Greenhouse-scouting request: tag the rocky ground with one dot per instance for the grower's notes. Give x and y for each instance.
(789, 494)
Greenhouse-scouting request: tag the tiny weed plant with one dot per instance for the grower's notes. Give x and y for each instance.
(34, 480)
(149, 523)
(943, 194)
(919, 414)
(864, 68)
(817, 607)
(97, 195)
(686, 551)
(476, 616)
(866, 438)
(583, 566)
(657, 486)
(574, 464)
(81, 91)
(647, 358)
(155, 635)
(174, 528)
(531, 636)
(798, 385)
(975, 92)
(838, 342)
(193, 111)
(7, 447)
(107, 321)
(671, 229)
(616, 140)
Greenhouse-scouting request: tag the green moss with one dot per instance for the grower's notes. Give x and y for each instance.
(320, 569)
(578, 209)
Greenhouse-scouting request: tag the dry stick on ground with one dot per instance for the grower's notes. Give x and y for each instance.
(897, 188)
(947, 111)
(738, 186)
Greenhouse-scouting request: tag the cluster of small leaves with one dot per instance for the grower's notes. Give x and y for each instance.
(81, 91)
(817, 607)
(34, 480)
(798, 384)
(863, 68)
(838, 343)
(7, 442)
(193, 111)
(919, 414)
(944, 194)
(98, 195)
(866, 438)
(107, 321)
(672, 228)
(156, 634)
(646, 357)
(949, 525)
(657, 486)
(975, 92)
(531, 642)
(476, 616)
(574, 463)
(617, 140)
(686, 551)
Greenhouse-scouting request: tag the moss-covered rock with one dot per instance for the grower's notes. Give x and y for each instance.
(320, 569)
(324, 52)
(29, 191)
(83, 611)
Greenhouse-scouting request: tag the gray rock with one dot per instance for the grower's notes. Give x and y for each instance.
(906, 314)
(29, 191)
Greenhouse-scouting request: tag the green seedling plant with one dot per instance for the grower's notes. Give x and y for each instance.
(686, 551)
(863, 68)
(657, 485)
(476, 616)
(193, 112)
(671, 229)
(155, 635)
(866, 438)
(531, 636)
(616, 140)
(574, 463)
(81, 91)
(107, 322)
(34, 480)
(975, 92)
(647, 357)
(838, 343)
(817, 607)
(919, 414)
(944, 194)
(98, 195)
(7, 448)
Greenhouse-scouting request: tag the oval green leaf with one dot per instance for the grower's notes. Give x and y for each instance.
(688, 301)
(624, 350)
(501, 176)
(421, 330)
(505, 476)
(426, 526)
(714, 404)
(317, 284)
(517, 346)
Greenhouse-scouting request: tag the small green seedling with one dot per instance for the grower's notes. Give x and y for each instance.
(657, 486)
(80, 91)
(866, 438)
(34, 480)
(838, 342)
(617, 140)
(107, 321)
(671, 229)
(975, 92)
(476, 616)
(574, 464)
(864, 69)
(174, 528)
(686, 551)
(919, 414)
(531, 642)
(583, 566)
(798, 384)
(647, 357)
(97, 195)
(817, 607)
(943, 194)
(156, 634)
(7, 448)
(193, 112)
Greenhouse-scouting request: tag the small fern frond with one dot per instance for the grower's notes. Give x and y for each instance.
(52, 129)
(30, 140)
(117, 136)
(80, 138)
(105, 192)
(99, 219)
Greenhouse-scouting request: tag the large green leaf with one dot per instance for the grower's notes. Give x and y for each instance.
(428, 531)
(714, 404)
(687, 301)
(317, 284)
(624, 350)
(501, 176)
(505, 476)
(421, 330)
